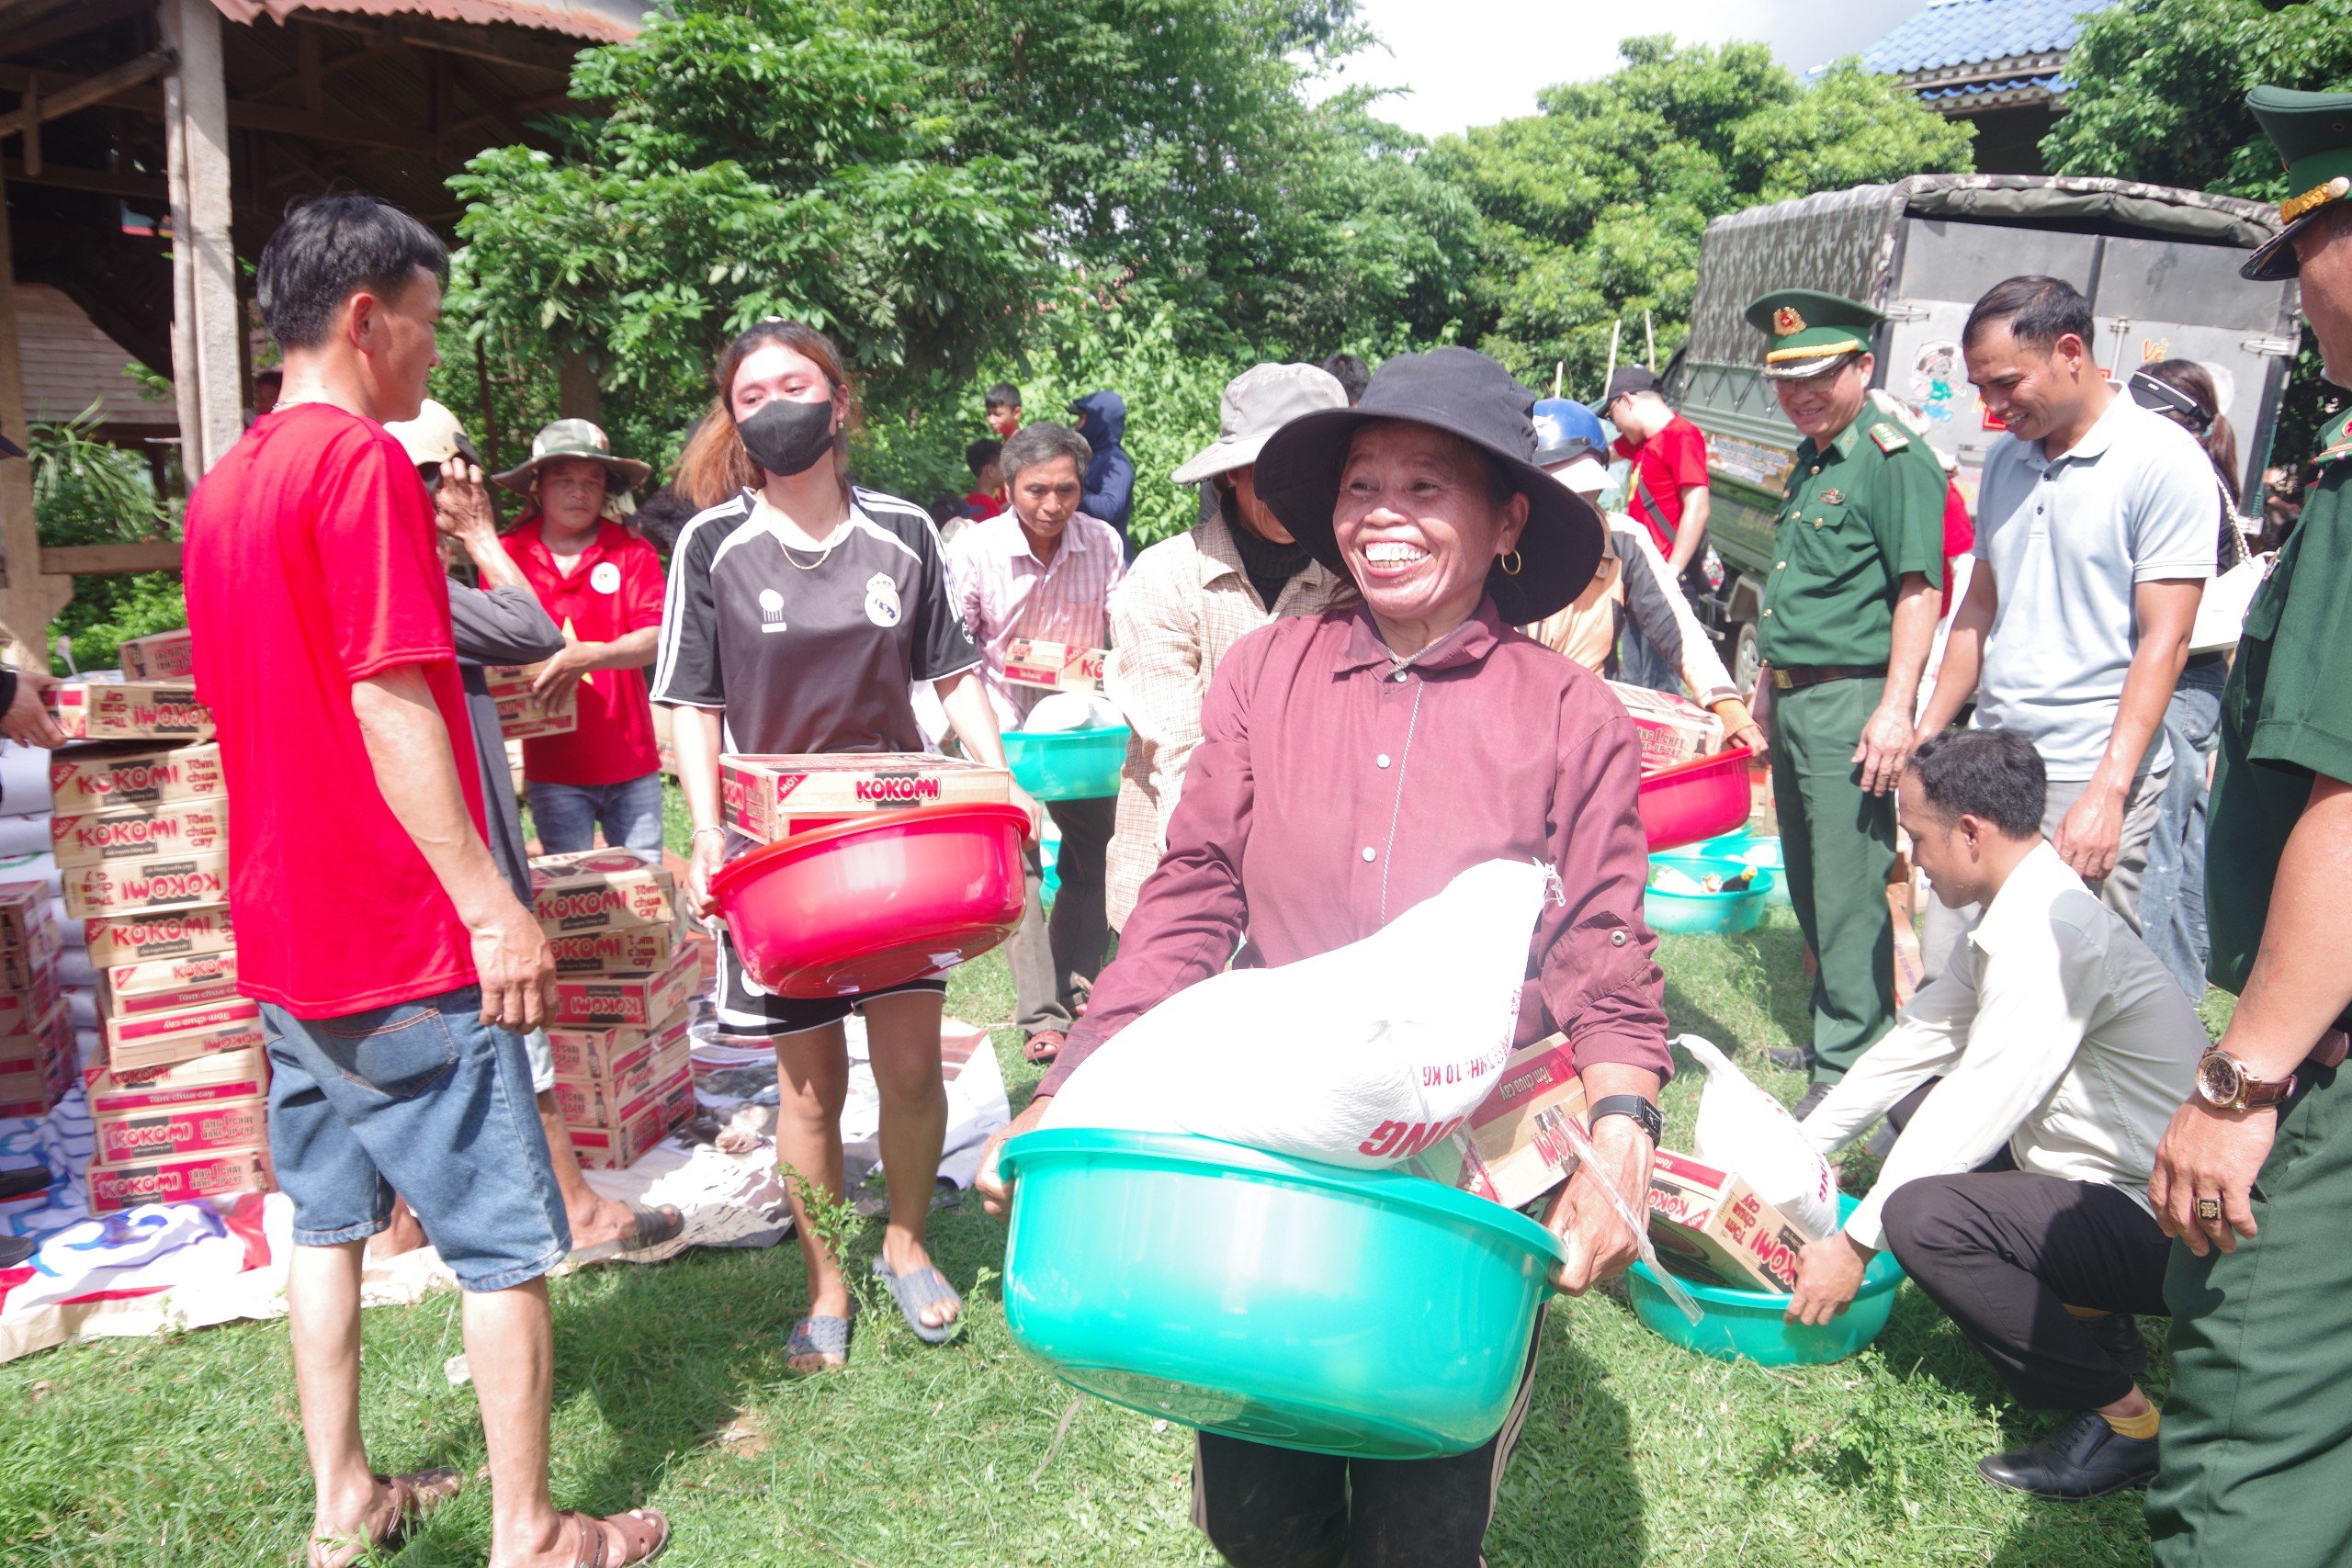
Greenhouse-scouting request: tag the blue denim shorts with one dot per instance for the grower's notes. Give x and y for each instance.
(425, 1099)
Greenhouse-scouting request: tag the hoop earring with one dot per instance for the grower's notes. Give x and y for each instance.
(1510, 563)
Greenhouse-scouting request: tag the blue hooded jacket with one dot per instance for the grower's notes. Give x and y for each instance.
(1110, 476)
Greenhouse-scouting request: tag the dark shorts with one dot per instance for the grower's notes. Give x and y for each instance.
(425, 1099)
(746, 1008)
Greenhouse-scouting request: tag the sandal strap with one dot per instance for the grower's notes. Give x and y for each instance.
(589, 1544)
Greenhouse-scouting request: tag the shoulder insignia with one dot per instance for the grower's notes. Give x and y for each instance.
(1889, 436)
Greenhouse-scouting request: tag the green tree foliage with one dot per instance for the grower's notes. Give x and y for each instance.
(1596, 205)
(2159, 95)
(769, 158)
(86, 492)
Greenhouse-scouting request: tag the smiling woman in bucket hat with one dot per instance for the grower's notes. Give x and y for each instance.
(1353, 763)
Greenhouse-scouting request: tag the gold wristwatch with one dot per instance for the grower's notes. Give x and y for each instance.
(2223, 1083)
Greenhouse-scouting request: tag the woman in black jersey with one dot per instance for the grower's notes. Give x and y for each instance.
(801, 612)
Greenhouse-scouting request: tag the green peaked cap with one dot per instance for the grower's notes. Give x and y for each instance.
(2313, 134)
(1806, 331)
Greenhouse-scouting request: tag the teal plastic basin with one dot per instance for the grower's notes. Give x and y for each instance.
(1067, 764)
(1707, 914)
(1752, 1325)
(1371, 1313)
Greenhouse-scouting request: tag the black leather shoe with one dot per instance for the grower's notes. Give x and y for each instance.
(2083, 1458)
(15, 1249)
(1789, 1058)
(2119, 1335)
(1814, 1095)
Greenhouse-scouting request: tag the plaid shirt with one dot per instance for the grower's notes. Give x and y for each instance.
(1003, 592)
(1185, 601)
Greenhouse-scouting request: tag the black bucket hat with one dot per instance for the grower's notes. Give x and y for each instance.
(1464, 393)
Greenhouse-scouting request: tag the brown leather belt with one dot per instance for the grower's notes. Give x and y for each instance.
(2332, 1047)
(1798, 678)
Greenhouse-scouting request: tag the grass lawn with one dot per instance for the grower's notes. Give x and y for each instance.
(670, 1390)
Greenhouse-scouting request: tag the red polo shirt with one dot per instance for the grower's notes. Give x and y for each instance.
(1335, 789)
(1664, 466)
(614, 589)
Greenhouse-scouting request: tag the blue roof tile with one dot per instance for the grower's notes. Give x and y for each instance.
(1950, 33)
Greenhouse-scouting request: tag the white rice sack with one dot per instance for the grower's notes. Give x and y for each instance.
(1747, 1131)
(1363, 1057)
(1063, 711)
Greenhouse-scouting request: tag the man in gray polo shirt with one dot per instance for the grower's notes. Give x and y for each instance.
(2094, 539)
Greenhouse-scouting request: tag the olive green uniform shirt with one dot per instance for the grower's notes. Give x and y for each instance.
(1861, 513)
(2286, 715)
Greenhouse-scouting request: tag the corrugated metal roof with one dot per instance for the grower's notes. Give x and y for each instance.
(1950, 33)
(600, 21)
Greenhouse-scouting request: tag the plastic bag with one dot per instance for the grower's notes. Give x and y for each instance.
(1361, 1056)
(1747, 1131)
(1061, 711)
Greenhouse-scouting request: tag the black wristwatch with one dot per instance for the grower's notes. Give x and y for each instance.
(1644, 1115)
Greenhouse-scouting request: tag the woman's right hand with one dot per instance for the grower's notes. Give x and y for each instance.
(709, 855)
(996, 1193)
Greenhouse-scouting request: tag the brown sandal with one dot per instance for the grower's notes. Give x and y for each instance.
(413, 1495)
(645, 1532)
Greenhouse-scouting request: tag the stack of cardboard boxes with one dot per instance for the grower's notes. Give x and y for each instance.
(178, 1092)
(37, 1054)
(625, 979)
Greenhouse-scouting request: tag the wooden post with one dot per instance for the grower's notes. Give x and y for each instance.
(27, 600)
(204, 287)
(577, 395)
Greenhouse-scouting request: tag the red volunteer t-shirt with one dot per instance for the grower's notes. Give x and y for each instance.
(1667, 463)
(310, 565)
(613, 590)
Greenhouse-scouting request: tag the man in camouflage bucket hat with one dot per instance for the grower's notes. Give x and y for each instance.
(2255, 1174)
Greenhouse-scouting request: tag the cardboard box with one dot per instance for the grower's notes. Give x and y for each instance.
(109, 890)
(526, 715)
(1712, 1218)
(639, 1000)
(166, 656)
(652, 1119)
(34, 965)
(1053, 666)
(596, 1054)
(96, 707)
(118, 940)
(24, 914)
(114, 1004)
(176, 1132)
(598, 890)
(608, 1103)
(1674, 729)
(1512, 1148)
(27, 1094)
(40, 1044)
(505, 680)
(84, 779)
(240, 1074)
(774, 797)
(625, 950)
(141, 832)
(166, 977)
(114, 1188)
(21, 1011)
(158, 1039)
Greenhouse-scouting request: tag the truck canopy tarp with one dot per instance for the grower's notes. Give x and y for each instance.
(1845, 241)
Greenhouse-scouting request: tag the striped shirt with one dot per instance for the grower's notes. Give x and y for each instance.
(1003, 592)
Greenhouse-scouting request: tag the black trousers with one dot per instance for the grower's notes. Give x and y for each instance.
(2005, 1253)
(1268, 1507)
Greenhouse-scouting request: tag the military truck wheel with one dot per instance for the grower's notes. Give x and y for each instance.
(1745, 659)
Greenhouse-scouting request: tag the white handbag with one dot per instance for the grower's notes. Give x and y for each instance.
(2221, 614)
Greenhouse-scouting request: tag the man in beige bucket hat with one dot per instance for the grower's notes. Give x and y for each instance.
(1189, 599)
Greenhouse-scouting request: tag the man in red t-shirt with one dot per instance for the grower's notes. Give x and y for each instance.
(1666, 491)
(603, 585)
(393, 963)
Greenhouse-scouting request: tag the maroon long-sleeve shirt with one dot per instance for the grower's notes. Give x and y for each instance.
(1336, 788)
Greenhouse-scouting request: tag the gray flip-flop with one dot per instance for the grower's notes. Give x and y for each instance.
(919, 1288)
(820, 1334)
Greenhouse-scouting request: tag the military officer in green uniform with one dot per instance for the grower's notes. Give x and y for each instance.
(2255, 1174)
(1849, 617)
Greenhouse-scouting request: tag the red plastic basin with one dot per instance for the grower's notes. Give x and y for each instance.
(877, 902)
(1691, 801)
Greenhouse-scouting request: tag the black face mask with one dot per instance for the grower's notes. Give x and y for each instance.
(785, 438)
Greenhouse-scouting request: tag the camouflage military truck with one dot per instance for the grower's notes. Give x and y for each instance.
(2160, 267)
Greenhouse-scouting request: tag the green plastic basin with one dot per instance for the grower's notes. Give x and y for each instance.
(1371, 1313)
(1707, 914)
(1753, 1325)
(1067, 764)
